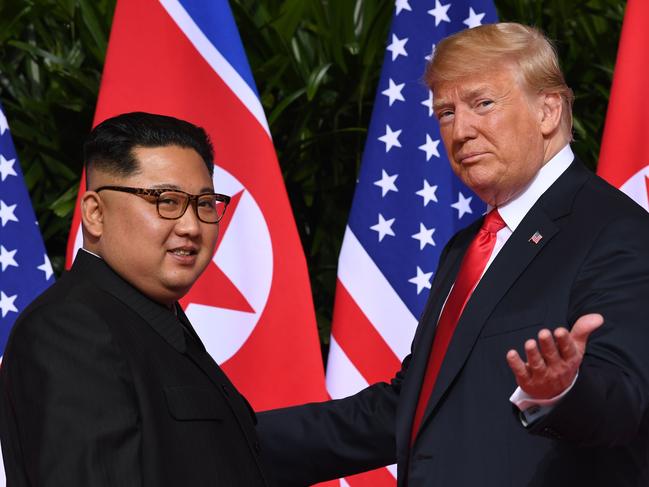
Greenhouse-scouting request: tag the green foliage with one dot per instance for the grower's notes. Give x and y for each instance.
(316, 63)
(586, 34)
(51, 55)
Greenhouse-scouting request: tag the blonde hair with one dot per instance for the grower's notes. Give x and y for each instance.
(473, 51)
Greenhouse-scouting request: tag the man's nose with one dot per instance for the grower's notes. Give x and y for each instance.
(189, 224)
(463, 126)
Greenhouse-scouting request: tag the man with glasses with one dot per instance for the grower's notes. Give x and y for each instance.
(104, 381)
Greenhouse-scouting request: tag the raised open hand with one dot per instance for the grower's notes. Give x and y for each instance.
(552, 364)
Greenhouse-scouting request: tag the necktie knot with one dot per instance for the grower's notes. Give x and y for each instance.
(493, 222)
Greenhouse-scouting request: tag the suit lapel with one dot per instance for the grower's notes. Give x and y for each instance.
(160, 318)
(515, 256)
(521, 248)
(422, 342)
(197, 353)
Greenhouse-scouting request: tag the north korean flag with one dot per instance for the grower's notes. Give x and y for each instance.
(252, 306)
(624, 156)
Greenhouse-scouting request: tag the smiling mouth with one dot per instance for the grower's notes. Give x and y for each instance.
(183, 252)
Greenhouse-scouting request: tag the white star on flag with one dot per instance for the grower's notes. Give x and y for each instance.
(391, 138)
(439, 12)
(473, 20)
(3, 123)
(46, 267)
(428, 193)
(428, 103)
(7, 213)
(386, 183)
(7, 167)
(425, 236)
(462, 205)
(422, 280)
(7, 303)
(383, 227)
(394, 92)
(398, 47)
(430, 148)
(430, 55)
(7, 258)
(403, 5)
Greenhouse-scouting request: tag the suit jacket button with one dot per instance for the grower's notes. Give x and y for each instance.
(225, 389)
(257, 447)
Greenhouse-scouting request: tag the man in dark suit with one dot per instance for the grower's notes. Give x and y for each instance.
(558, 247)
(104, 381)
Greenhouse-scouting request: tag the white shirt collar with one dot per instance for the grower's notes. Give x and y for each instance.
(91, 253)
(515, 210)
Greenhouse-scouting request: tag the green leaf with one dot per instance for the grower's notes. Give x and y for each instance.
(315, 80)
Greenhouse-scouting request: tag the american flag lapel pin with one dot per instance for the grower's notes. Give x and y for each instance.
(536, 238)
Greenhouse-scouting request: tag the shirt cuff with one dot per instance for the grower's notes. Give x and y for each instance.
(532, 408)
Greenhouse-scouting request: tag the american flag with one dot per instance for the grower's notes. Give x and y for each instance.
(25, 269)
(407, 205)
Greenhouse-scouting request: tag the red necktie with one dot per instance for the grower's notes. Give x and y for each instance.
(473, 265)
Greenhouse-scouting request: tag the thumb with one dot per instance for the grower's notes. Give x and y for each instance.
(583, 327)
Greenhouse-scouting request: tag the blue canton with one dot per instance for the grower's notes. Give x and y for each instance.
(408, 203)
(25, 269)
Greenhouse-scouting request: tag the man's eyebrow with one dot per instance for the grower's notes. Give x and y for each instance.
(165, 186)
(204, 189)
(465, 95)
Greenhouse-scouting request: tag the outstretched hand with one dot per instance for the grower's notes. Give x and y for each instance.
(552, 365)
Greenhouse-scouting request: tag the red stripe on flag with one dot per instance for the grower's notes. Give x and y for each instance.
(380, 477)
(361, 342)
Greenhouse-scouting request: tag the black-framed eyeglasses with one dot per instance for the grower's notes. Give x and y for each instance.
(172, 203)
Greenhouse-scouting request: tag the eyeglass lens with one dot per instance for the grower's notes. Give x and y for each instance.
(208, 208)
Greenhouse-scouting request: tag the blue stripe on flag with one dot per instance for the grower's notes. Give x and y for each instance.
(215, 20)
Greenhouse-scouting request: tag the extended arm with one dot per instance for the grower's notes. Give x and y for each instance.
(320, 441)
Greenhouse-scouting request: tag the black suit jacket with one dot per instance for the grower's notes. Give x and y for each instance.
(593, 257)
(103, 387)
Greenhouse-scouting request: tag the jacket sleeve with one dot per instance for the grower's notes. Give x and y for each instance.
(315, 442)
(68, 408)
(333, 439)
(613, 379)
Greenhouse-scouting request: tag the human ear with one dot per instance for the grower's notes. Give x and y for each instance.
(92, 213)
(551, 111)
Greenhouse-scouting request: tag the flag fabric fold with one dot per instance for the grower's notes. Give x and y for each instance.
(252, 307)
(25, 269)
(624, 155)
(406, 206)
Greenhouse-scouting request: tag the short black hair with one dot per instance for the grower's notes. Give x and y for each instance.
(109, 147)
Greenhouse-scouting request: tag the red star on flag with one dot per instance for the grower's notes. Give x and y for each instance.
(214, 288)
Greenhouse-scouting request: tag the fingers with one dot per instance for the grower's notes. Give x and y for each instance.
(535, 361)
(565, 344)
(518, 367)
(549, 351)
(554, 358)
(583, 327)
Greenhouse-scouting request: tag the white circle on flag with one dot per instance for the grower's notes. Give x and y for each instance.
(245, 256)
(636, 187)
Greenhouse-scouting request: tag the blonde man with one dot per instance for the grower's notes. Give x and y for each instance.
(559, 248)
